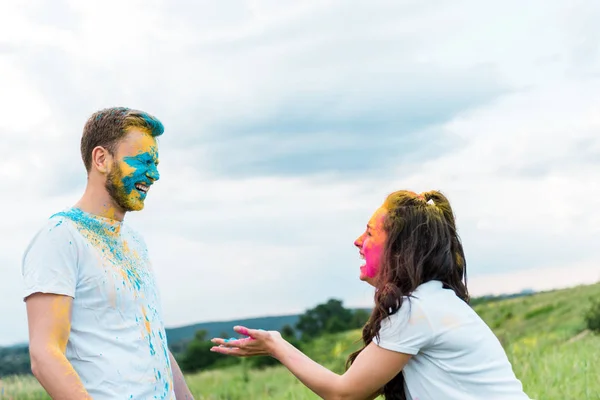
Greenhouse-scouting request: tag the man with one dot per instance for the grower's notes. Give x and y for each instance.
(93, 309)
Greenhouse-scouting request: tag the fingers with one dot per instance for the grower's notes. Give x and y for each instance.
(232, 342)
(230, 351)
(237, 351)
(241, 343)
(242, 329)
(253, 333)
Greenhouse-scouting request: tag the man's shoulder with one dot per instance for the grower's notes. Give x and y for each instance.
(54, 235)
(55, 226)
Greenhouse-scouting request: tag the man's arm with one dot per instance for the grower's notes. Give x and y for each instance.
(49, 320)
(182, 392)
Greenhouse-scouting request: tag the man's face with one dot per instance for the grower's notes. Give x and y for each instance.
(371, 245)
(133, 171)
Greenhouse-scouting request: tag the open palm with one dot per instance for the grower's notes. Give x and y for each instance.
(258, 343)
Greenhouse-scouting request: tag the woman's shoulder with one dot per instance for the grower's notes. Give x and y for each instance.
(433, 302)
(433, 293)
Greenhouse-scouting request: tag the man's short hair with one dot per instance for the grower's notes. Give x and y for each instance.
(108, 126)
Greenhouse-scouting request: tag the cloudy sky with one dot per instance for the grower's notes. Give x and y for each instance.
(287, 124)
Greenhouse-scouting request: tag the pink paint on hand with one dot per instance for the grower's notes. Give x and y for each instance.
(244, 331)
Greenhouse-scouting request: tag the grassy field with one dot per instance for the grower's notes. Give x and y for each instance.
(543, 334)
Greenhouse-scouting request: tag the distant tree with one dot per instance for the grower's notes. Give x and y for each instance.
(329, 317)
(179, 346)
(14, 361)
(197, 355)
(359, 318)
(309, 325)
(592, 316)
(335, 324)
(200, 335)
(288, 332)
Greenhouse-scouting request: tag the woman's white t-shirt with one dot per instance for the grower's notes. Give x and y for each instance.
(455, 355)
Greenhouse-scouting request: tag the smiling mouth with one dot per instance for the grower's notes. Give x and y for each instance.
(142, 188)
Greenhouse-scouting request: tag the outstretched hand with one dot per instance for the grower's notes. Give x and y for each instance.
(258, 343)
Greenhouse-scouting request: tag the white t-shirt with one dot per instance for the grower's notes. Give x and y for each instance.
(117, 343)
(455, 355)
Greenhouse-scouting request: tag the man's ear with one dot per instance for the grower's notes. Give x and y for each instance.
(101, 159)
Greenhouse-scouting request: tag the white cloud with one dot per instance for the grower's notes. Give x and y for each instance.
(507, 211)
(551, 278)
(522, 175)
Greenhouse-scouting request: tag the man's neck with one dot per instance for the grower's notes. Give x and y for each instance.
(98, 202)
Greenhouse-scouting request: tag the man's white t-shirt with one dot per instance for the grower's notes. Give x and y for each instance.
(117, 344)
(455, 355)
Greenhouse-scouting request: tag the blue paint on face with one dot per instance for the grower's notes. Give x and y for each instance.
(145, 172)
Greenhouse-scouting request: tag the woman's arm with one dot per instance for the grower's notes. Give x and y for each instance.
(371, 370)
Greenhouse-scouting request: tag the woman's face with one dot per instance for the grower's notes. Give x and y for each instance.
(371, 244)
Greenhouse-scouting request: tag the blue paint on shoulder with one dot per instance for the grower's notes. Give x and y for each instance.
(105, 237)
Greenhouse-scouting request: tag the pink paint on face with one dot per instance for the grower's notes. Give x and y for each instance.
(371, 244)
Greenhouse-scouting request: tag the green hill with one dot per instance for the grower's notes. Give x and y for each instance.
(543, 334)
(180, 335)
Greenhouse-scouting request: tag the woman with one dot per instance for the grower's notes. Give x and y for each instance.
(423, 341)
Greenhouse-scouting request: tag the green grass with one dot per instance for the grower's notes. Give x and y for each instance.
(543, 335)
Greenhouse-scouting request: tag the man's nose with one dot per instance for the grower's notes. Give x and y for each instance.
(153, 174)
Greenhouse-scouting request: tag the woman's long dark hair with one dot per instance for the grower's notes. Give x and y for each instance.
(422, 245)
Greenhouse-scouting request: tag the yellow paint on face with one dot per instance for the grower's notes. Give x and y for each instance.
(136, 162)
(139, 141)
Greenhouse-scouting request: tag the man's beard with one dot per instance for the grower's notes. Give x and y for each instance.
(117, 193)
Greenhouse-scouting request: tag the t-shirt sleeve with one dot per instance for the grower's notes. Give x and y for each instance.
(407, 331)
(50, 261)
